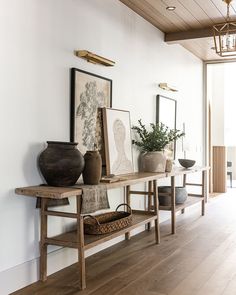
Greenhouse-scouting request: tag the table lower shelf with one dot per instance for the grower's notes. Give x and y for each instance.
(69, 239)
(189, 202)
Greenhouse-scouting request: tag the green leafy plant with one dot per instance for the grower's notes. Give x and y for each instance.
(156, 138)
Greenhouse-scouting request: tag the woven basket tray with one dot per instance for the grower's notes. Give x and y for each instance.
(107, 222)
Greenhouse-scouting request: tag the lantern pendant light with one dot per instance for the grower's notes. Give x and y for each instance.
(225, 36)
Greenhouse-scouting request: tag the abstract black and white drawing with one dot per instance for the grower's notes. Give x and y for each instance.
(118, 145)
(89, 94)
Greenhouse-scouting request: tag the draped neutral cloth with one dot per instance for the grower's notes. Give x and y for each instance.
(94, 198)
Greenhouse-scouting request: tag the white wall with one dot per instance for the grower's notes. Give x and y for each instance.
(216, 95)
(38, 38)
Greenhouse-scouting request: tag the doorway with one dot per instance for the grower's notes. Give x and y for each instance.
(221, 122)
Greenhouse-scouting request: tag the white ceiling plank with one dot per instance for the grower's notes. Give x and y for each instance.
(194, 48)
(200, 48)
(233, 5)
(222, 7)
(198, 12)
(210, 9)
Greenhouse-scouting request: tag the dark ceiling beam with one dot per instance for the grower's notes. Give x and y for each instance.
(187, 35)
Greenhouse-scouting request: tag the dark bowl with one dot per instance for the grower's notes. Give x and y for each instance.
(186, 163)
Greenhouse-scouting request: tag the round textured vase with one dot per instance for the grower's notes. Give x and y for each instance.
(153, 162)
(181, 195)
(93, 167)
(61, 163)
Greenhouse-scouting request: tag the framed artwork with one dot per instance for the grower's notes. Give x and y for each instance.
(89, 94)
(118, 145)
(166, 110)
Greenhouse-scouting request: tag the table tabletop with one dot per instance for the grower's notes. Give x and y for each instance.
(51, 192)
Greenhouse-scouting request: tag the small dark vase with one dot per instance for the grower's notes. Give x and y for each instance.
(93, 167)
(61, 163)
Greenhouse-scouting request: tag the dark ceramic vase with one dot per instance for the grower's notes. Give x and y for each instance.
(93, 167)
(61, 163)
(181, 195)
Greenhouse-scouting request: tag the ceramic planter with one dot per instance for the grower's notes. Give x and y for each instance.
(153, 162)
(61, 163)
(180, 195)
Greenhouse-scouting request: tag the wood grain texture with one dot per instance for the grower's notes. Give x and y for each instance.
(190, 34)
(173, 205)
(69, 239)
(193, 7)
(190, 201)
(80, 244)
(183, 171)
(191, 19)
(174, 17)
(43, 245)
(149, 200)
(145, 10)
(76, 239)
(219, 169)
(51, 192)
(127, 235)
(184, 13)
(199, 259)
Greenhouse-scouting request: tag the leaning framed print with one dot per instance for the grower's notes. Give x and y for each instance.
(166, 110)
(89, 94)
(118, 144)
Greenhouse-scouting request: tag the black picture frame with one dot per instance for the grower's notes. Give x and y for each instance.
(166, 105)
(89, 94)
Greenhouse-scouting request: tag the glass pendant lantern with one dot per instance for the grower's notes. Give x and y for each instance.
(225, 36)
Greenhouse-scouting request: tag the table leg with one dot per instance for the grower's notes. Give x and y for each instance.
(127, 194)
(149, 202)
(173, 225)
(80, 240)
(204, 184)
(156, 210)
(184, 185)
(43, 245)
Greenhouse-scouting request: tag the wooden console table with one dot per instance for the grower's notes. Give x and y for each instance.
(192, 199)
(77, 239)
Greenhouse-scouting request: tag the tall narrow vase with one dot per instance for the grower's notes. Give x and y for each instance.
(93, 167)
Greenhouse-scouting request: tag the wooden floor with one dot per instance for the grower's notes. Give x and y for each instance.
(199, 260)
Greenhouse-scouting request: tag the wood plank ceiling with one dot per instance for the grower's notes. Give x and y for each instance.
(190, 24)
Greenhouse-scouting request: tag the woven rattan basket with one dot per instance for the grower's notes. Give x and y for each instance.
(107, 222)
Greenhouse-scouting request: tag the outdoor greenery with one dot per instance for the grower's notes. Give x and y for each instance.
(156, 138)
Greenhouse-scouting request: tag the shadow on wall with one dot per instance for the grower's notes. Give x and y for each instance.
(22, 220)
(19, 211)
(30, 167)
(32, 176)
